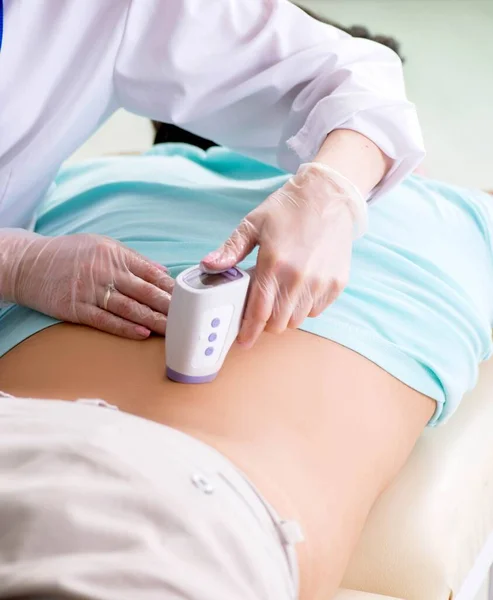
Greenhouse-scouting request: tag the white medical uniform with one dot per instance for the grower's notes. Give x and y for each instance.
(259, 76)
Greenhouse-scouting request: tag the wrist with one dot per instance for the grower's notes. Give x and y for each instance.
(355, 157)
(15, 246)
(337, 189)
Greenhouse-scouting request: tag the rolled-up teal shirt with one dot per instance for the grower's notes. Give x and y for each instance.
(419, 302)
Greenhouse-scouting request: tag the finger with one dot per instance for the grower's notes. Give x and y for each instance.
(300, 312)
(282, 310)
(98, 318)
(146, 270)
(291, 288)
(237, 247)
(144, 292)
(333, 291)
(259, 305)
(314, 290)
(140, 314)
(160, 266)
(250, 331)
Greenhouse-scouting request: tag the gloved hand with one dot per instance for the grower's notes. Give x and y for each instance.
(87, 279)
(304, 231)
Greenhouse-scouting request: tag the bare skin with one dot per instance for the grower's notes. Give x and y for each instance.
(320, 430)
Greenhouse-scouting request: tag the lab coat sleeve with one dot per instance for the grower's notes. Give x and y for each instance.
(265, 79)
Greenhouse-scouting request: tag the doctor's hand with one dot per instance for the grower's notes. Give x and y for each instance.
(304, 232)
(87, 279)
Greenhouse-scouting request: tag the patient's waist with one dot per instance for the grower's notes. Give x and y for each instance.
(255, 414)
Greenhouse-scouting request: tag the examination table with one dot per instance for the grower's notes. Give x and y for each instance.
(430, 536)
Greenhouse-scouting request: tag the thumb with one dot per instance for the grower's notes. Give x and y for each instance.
(237, 247)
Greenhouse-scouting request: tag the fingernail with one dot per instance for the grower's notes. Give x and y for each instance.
(212, 257)
(143, 331)
(245, 344)
(161, 267)
(243, 339)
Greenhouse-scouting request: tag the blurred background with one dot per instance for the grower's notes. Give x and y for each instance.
(448, 48)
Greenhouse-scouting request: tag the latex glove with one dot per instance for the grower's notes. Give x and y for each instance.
(87, 279)
(304, 231)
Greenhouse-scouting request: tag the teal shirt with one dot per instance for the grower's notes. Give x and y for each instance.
(419, 302)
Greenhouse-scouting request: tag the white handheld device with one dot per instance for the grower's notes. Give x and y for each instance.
(204, 319)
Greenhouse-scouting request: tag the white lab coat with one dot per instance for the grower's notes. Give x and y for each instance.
(258, 76)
